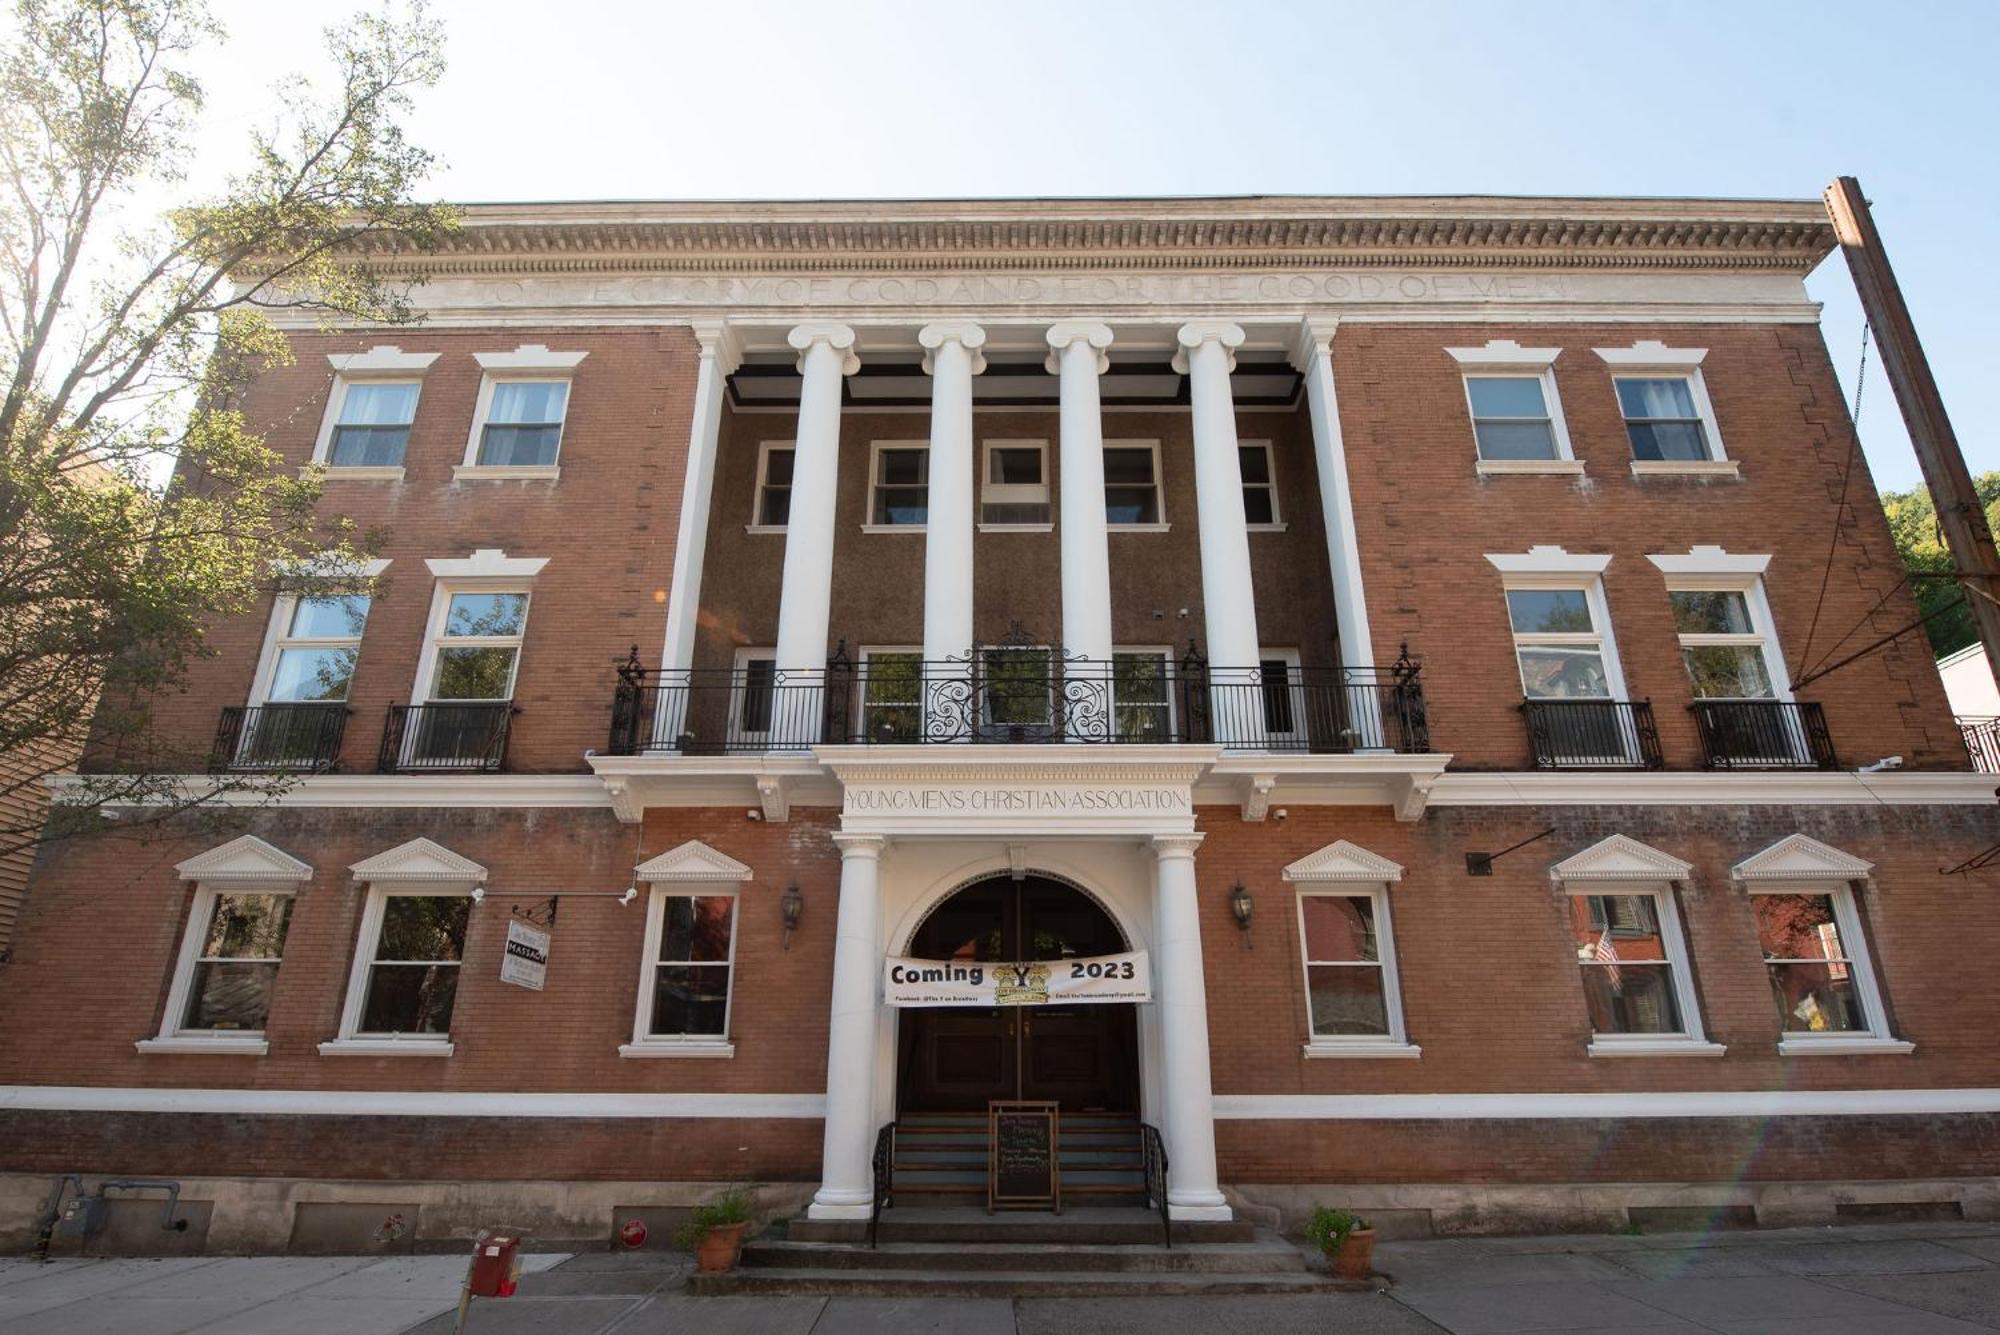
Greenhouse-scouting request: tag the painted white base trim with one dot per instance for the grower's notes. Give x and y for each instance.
(818, 1211)
(1581, 788)
(1687, 1103)
(1200, 1213)
(402, 1102)
(1843, 1047)
(394, 790)
(677, 1050)
(386, 1047)
(235, 1045)
(1363, 1050)
(1643, 1047)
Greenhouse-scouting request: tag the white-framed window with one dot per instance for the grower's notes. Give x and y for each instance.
(1669, 419)
(314, 644)
(1633, 961)
(403, 986)
(1816, 957)
(1014, 485)
(1260, 486)
(1516, 412)
(1347, 947)
(1142, 694)
(890, 705)
(228, 964)
(1562, 639)
(370, 407)
(1132, 495)
(771, 510)
(1725, 649)
(753, 704)
(1016, 688)
(517, 424)
(899, 485)
(473, 649)
(690, 961)
(371, 422)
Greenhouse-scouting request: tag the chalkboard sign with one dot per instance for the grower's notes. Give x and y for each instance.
(1023, 1171)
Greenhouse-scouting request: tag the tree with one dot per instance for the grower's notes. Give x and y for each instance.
(126, 343)
(1913, 522)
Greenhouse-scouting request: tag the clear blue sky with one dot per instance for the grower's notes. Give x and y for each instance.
(581, 99)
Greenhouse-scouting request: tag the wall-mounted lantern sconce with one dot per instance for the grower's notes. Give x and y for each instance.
(791, 904)
(1242, 907)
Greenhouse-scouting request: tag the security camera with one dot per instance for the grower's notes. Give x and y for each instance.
(753, 814)
(1887, 762)
(1281, 814)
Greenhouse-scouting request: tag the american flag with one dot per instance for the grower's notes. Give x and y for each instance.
(1607, 954)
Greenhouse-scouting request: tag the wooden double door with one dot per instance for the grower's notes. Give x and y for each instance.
(1085, 1057)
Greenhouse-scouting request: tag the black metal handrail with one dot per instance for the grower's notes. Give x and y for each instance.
(884, 1195)
(1012, 695)
(1153, 1155)
(1982, 742)
(462, 737)
(292, 735)
(1592, 734)
(1764, 734)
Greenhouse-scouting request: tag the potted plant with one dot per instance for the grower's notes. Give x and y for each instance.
(714, 1232)
(1348, 1241)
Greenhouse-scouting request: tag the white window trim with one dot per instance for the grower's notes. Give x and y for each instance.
(1565, 461)
(987, 488)
(277, 637)
(1571, 575)
(1763, 629)
(531, 363)
(764, 449)
(385, 364)
(1165, 652)
(172, 1037)
(741, 666)
(875, 448)
(442, 590)
(1693, 1039)
(1277, 524)
(859, 714)
(1878, 1038)
(350, 1042)
(1396, 1043)
(646, 1044)
(1650, 358)
(1159, 489)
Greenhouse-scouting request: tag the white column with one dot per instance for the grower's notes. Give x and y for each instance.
(719, 358)
(826, 354)
(1077, 355)
(1207, 356)
(1187, 1101)
(847, 1180)
(952, 358)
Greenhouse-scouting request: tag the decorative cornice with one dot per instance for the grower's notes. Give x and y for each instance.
(692, 861)
(244, 858)
(1084, 234)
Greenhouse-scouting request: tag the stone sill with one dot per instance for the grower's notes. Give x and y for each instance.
(1017, 528)
(1278, 527)
(895, 528)
(1137, 528)
(355, 473)
(1684, 468)
(764, 528)
(1405, 1051)
(1666, 1047)
(387, 1047)
(716, 1048)
(1505, 467)
(1844, 1047)
(505, 473)
(233, 1046)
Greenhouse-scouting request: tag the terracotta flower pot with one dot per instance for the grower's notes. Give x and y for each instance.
(719, 1248)
(1353, 1258)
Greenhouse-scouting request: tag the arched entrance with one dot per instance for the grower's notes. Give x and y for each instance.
(1082, 1056)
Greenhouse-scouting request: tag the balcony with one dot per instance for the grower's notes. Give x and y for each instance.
(292, 737)
(465, 738)
(1592, 734)
(1018, 696)
(1982, 740)
(1764, 734)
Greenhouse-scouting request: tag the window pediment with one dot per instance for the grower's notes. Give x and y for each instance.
(692, 861)
(1342, 861)
(247, 858)
(1799, 857)
(1620, 858)
(419, 860)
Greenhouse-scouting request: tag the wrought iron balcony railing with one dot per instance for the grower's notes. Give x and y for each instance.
(1764, 734)
(1018, 695)
(302, 735)
(1982, 740)
(463, 737)
(1592, 734)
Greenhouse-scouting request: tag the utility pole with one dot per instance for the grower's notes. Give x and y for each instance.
(1967, 535)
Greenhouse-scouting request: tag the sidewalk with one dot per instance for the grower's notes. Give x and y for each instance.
(1911, 1279)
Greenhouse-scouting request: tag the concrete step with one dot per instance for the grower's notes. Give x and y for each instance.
(1082, 1226)
(1263, 1256)
(1005, 1283)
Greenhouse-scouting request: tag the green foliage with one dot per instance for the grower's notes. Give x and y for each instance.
(1913, 522)
(1328, 1227)
(127, 342)
(731, 1207)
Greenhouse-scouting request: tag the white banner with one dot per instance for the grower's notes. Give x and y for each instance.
(1102, 978)
(525, 962)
